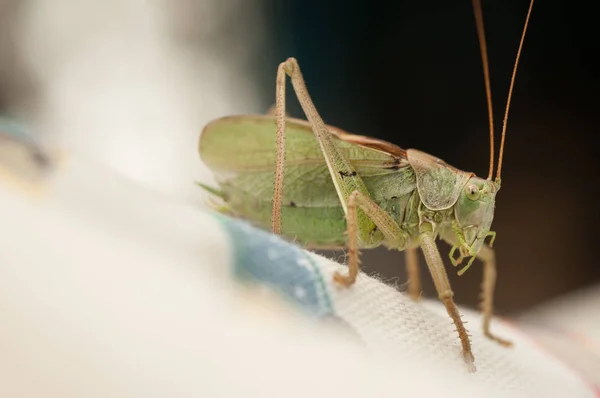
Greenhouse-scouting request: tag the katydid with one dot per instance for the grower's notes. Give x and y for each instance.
(349, 191)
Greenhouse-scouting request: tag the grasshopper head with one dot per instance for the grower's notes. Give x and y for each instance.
(474, 213)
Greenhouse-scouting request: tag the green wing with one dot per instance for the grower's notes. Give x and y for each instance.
(241, 152)
(243, 149)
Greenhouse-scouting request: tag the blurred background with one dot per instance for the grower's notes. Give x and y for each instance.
(131, 83)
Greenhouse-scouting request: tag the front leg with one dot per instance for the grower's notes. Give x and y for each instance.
(487, 255)
(445, 293)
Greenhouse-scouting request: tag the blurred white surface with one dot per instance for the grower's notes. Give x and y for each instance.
(569, 327)
(132, 82)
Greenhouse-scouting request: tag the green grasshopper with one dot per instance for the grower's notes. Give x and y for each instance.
(349, 191)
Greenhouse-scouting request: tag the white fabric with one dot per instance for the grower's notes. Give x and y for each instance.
(569, 327)
(108, 290)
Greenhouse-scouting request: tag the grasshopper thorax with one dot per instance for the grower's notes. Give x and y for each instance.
(442, 187)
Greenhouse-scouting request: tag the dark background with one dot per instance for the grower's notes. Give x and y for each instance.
(410, 72)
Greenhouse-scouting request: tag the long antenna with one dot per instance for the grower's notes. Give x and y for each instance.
(510, 90)
(486, 76)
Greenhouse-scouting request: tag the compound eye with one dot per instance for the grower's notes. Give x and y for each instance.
(472, 192)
